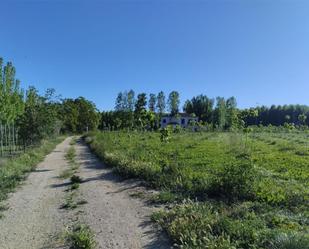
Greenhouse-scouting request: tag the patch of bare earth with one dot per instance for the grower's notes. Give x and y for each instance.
(33, 217)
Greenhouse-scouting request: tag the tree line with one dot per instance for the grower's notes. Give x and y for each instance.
(279, 115)
(26, 117)
(145, 111)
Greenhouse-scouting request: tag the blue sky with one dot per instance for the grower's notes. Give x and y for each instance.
(257, 50)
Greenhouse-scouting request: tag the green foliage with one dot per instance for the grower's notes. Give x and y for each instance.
(201, 106)
(40, 118)
(251, 186)
(234, 182)
(165, 134)
(173, 102)
(71, 153)
(302, 118)
(76, 179)
(152, 102)
(79, 115)
(81, 237)
(277, 115)
(161, 104)
(291, 241)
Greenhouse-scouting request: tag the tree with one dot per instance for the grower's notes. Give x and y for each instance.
(201, 106)
(141, 103)
(161, 102)
(88, 117)
(173, 102)
(220, 113)
(302, 118)
(40, 119)
(152, 102)
(231, 113)
(119, 105)
(131, 100)
(140, 110)
(69, 114)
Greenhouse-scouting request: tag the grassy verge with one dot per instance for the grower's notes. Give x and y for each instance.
(231, 190)
(14, 170)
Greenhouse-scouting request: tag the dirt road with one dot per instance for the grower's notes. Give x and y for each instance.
(119, 221)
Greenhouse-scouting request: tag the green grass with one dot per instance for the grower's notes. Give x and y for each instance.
(248, 189)
(71, 153)
(70, 202)
(81, 237)
(73, 165)
(14, 170)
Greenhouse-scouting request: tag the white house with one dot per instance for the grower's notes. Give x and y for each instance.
(182, 119)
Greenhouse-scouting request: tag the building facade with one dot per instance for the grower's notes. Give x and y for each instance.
(182, 119)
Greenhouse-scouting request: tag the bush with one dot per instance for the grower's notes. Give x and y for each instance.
(234, 182)
(165, 135)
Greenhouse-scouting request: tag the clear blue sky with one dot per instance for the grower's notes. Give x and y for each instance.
(257, 50)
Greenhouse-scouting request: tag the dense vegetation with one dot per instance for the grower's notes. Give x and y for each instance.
(213, 114)
(26, 117)
(30, 125)
(243, 190)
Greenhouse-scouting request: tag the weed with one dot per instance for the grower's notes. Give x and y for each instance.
(69, 202)
(74, 186)
(71, 153)
(76, 179)
(66, 174)
(81, 237)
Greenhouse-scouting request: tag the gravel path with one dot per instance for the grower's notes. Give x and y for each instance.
(34, 217)
(119, 221)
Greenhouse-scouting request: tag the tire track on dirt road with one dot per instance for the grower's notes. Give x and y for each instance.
(118, 220)
(35, 219)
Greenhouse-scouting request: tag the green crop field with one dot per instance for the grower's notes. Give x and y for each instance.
(223, 189)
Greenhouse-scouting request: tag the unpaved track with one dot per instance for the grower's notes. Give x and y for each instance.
(119, 221)
(34, 217)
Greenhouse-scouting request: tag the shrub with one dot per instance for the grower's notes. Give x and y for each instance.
(234, 182)
(165, 135)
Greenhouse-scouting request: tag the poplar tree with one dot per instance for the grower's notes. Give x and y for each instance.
(152, 102)
(161, 103)
(173, 102)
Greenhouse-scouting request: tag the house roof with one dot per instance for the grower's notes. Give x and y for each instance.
(181, 114)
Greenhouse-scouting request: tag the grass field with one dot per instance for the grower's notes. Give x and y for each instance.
(228, 190)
